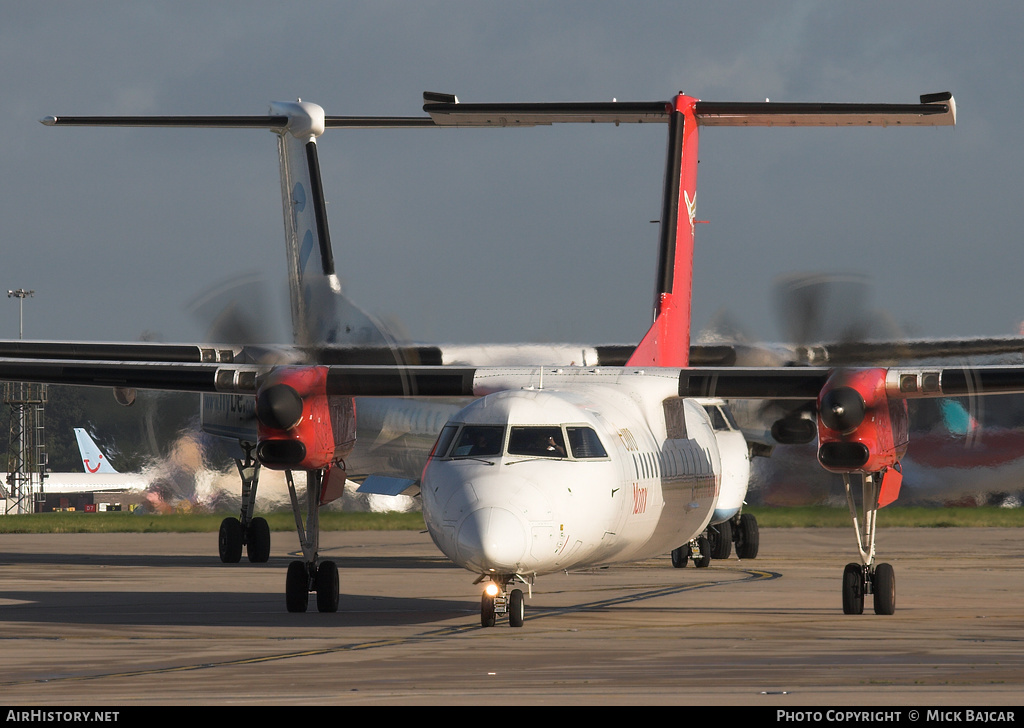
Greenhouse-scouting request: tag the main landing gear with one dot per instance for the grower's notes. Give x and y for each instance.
(746, 535)
(699, 549)
(310, 574)
(498, 601)
(865, 578)
(304, 576)
(718, 540)
(252, 533)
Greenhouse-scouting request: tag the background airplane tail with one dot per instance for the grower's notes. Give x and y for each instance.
(93, 458)
(320, 313)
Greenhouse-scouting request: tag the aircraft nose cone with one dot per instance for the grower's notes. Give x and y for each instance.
(492, 539)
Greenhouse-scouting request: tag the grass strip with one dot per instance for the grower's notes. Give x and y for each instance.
(891, 517)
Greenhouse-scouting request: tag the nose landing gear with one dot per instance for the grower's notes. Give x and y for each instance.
(699, 549)
(499, 601)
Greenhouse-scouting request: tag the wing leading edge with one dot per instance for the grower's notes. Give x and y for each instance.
(795, 383)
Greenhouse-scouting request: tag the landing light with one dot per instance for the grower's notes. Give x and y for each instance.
(491, 589)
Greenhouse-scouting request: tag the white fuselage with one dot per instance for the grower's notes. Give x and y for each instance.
(630, 470)
(735, 454)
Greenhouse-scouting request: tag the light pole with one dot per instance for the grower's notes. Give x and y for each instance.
(24, 450)
(21, 294)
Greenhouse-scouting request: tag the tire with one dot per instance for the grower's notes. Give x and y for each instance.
(229, 541)
(516, 609)
(680, 556)
(704, 546)
(486, 611)
(327, 587)
(748, 537)
(720, 537)
(257, 545)
(884, 589)
(853, 589)
(296, 587)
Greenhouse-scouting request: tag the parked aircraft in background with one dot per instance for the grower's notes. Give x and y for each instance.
(548, 467)
(100, 476)
(93, 459)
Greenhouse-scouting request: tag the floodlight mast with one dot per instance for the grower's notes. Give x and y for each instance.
(21, 294)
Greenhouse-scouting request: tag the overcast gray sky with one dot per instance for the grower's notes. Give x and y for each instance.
(537, 234)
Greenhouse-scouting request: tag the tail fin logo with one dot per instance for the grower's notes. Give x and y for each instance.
(93, 459)
(305, 251)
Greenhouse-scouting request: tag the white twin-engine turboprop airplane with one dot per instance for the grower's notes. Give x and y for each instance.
(547, 467)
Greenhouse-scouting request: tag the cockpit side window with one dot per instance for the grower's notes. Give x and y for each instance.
(444, 440)
(479, 440)
(585, 443)
(721, 420)
(543, 442)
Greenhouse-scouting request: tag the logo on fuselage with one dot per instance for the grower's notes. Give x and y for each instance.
(639, 499)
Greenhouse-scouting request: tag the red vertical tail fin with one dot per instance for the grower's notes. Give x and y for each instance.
(667, 342)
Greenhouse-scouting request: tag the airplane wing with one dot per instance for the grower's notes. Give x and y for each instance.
(907, 351)
(709, 354)
(783, 383)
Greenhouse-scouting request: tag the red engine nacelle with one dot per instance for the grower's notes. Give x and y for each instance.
(300, 426)
(860, 429)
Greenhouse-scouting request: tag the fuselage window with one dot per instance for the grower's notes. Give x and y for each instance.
(584, 443)
(444, 440)
(479, 440)
(543, 442)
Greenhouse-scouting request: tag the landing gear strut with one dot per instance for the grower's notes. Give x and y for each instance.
(498, 600)
(866, 578)
(252, 533)
(718, 540)
(699, 549)
(310, 574)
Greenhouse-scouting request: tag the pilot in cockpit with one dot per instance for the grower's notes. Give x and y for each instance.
(554, 449)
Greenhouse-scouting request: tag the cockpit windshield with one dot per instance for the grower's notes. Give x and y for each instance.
(479, 441)
(585, 443)
(542, 442)
(537, 441)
